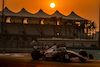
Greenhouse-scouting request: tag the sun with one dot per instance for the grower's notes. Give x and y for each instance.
(52, 5)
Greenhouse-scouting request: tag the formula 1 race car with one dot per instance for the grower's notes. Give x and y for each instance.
(60, 54)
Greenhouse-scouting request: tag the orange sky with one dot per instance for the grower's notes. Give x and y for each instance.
(88, 9)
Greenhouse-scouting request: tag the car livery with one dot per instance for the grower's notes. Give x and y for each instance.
(60, 54)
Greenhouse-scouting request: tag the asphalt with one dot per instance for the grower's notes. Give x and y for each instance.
(28, 55)
(25, 60)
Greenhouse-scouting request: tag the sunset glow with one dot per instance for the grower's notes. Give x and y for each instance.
(88, 9)
(52, 5)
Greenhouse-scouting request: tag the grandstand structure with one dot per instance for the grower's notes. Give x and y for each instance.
(19, 29)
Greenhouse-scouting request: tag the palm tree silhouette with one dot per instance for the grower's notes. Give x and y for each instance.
(91, 27)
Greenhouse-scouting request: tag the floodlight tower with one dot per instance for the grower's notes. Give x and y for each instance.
(2, 16)
(2, 22)
(99, 26)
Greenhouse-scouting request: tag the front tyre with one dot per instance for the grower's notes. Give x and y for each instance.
(82, 60)
(83, 53)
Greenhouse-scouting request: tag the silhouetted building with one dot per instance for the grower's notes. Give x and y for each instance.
(19, 29)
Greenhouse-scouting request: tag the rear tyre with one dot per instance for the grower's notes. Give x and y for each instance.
(32, 55)
(61, 56)
(35, 55)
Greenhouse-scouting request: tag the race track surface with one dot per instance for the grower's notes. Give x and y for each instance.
(7, 60)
